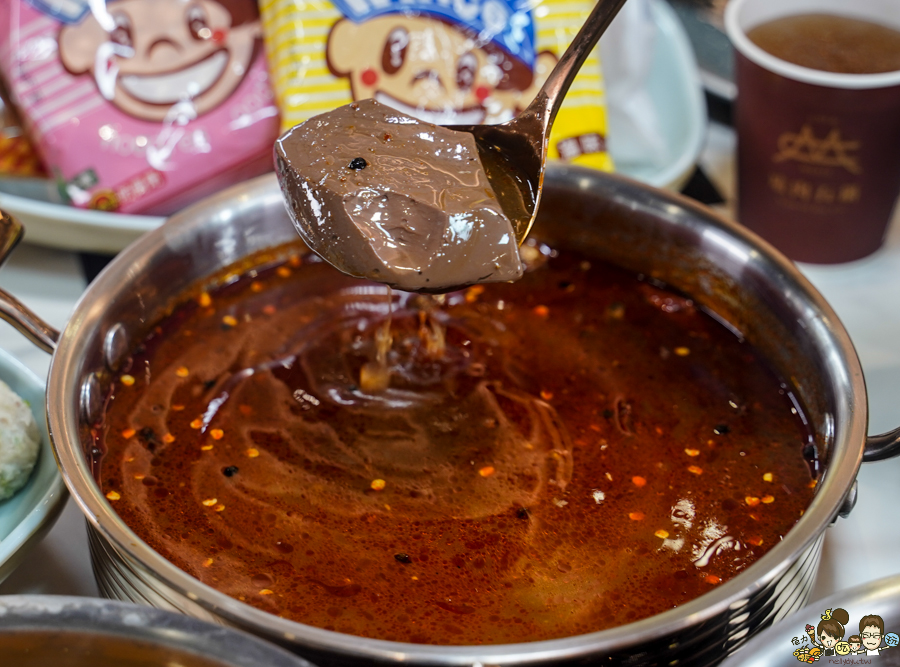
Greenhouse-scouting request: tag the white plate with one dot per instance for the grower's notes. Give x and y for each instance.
(32, 511)
(673, 85)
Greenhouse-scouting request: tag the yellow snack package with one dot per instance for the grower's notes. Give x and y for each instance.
(448, 62)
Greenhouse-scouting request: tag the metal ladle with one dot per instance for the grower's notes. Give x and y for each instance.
(514, 153)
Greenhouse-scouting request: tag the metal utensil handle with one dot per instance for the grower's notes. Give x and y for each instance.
(11, 309)
(884, 446)
(553, 92)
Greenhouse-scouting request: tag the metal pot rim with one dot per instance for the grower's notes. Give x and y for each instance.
(850, 422)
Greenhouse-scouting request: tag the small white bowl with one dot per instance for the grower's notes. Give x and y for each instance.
(31, 512)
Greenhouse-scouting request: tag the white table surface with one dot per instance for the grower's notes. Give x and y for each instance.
(865, 294)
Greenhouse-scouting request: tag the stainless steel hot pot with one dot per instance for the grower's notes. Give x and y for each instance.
(723, 267)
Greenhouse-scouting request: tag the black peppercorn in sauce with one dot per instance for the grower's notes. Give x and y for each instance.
(578, 450)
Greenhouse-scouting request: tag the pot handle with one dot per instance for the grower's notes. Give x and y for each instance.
(884, 446)
(11, 309)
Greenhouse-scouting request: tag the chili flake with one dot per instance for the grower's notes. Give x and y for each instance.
(229, 321)
(541, 311)
(168, 438)
(209, 502)
(682, 351)
(486, 471)
(756, 541)
(283, 271)
(753, 501)
(712, 579)
(638, 481)
(768, 499)
(252, 453)
(207, 562)
(205, 448)
(127, 433)
(182, 372)
(697, 470)
(768, 477)
(220, 507)
(812, 483)
(205, 300)
(692, 452)
(256, 286)
(473, 293)
(217, 434)
(546, 395)
(662, 534)
(378, 484)
(266, 591)
(636, 516)
(113, 495)
(197, 423)
(127, 380)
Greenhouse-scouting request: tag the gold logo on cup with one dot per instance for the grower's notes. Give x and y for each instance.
(831, 151)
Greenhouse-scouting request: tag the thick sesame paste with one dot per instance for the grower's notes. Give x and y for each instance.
(581, 450)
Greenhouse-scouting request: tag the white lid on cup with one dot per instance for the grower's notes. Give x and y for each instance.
(744, 15)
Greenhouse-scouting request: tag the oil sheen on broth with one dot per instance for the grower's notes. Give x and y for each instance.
(582, 449)
(830, 43)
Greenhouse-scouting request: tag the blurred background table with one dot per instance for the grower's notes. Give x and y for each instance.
(865, 294)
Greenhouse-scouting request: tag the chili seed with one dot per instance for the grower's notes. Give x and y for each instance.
(128, 432)
(697, 470)
(182, 372)
(207, 562)
(712, 579)
(768, 477)
(113, 495)
(127, 380)
(486, 471)
(662, 534)
(378, 484)
(204, 300)
(682, 351)
(217, 434)
(638, 481)
(768, 499)
(753, 501)
(692, 452)
(636, 516)
(358, 163)
(252, 453)
(209, 502)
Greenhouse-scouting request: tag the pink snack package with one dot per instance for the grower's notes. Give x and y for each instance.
(141, 106)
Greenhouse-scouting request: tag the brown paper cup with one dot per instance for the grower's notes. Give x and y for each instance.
(818, 152)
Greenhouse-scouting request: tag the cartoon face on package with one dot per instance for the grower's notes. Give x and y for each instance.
(140, 103)
(446, 62)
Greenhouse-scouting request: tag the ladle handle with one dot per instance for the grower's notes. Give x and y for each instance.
(11, 309)
(550, 98)
(884, 446)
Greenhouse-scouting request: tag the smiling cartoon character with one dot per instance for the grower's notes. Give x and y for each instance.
(444, 63)
(871, 630)
(148, 56)
(830, 630)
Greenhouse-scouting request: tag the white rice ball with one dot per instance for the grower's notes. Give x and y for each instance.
(19, 442)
